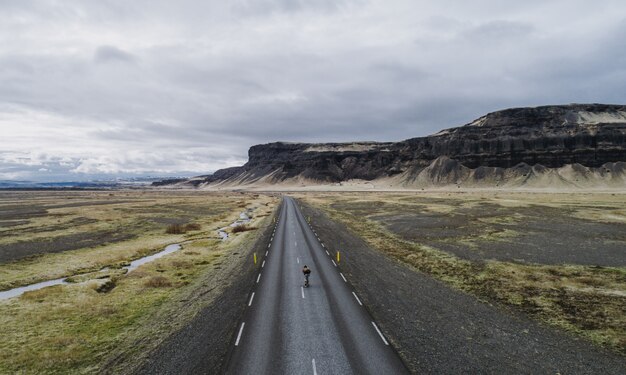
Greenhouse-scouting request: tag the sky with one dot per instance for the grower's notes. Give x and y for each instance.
(103, 89)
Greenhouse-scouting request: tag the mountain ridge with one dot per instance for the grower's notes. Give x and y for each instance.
(576, 145)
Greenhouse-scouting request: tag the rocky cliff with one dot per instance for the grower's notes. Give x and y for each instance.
(556, 144)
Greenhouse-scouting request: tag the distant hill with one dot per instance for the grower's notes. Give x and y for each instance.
(577, 145)
(99, 184)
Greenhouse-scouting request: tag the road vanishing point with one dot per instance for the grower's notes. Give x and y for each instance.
(322, 329)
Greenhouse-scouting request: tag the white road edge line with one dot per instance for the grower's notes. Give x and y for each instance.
(314, 368)
(258, 278)
(302, 289)
(266, 251)
(323, 245)
(343, 277)
(263, 265)
(357, 298)
(335, 264)
(239, 335)
(270, 244)
(380, 333)
(251, 298)
(327, 253)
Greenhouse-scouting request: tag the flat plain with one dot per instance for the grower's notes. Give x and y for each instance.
(107, 314)
(559, 258)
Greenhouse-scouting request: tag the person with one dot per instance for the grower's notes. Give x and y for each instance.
(306, 271)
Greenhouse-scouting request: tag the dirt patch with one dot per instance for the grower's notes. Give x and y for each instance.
(50, 228)
(12, 223)
(537, 234)
(21, 212)
(437, 329)
(20, 250)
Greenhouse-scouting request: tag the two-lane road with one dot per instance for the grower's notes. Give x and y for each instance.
(323, 329)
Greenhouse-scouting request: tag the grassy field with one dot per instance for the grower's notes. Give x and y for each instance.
(460, 238)
(77, 328)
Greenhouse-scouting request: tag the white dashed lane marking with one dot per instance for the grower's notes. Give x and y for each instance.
(380, 333)
(251, 298)
(239, 335)
(357, 298)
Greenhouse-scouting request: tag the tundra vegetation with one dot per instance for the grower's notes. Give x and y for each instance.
(560, 258)
(89, 236)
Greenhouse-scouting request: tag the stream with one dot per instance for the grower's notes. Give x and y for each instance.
(16, 292)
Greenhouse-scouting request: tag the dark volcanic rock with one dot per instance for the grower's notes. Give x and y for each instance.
(589, 135)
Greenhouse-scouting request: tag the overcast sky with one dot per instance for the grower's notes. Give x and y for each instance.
(117, 88)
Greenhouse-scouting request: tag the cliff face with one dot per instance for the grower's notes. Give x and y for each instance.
(493, 146)
(552, 136)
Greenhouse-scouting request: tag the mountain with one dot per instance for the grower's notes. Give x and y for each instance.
(577, 145)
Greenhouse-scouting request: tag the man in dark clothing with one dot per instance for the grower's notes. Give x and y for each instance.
(306, 271)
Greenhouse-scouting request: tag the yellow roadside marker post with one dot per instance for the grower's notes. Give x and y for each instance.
(338, 256)
(254, 258)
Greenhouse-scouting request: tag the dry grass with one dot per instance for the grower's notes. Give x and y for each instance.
(157, 282)
(243, 228)
(182, 229)
(175, 229)
(192, 227)
(74, 328)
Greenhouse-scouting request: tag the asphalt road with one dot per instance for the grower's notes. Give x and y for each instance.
(323, 329)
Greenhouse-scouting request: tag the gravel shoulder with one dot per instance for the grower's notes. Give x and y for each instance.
(437, 329)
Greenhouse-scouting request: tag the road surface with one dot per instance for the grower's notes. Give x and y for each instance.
(323, 329)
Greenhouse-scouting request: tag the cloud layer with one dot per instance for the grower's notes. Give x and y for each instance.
(107, 88)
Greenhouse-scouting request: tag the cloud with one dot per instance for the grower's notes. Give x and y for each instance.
(159, 87)
(107, 54)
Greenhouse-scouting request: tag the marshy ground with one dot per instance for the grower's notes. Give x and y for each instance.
(83, 327)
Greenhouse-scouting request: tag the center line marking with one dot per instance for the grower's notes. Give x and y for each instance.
(263, 265)
(380, 333)
(335, 264)
(357, 298)
(251, 298)
(258, 278)
(239, 335)
(302, 288)
(343, 277)
(298, 260)
(314, 368)
(296, 242)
